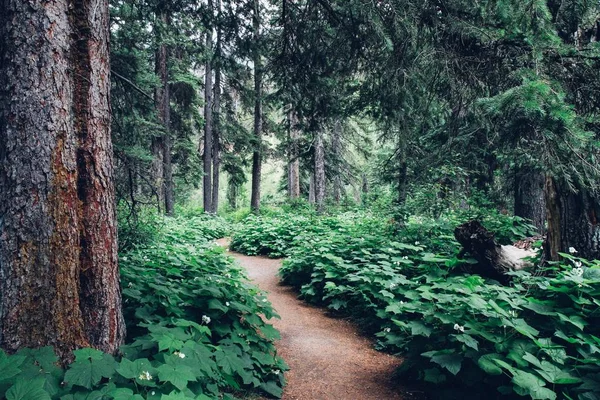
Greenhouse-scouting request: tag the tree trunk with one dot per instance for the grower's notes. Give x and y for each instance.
(208, 123)
(294, 163)
(319, 172)
(157, 170)
(217, 119)
(494, 261)
(164, 172)
(529, 198)
(59, 276)
(311, 189)
(257, 154)
(337, 153)
(572, 221)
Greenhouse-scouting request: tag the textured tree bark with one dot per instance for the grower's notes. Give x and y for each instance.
(59, 276)
(208, 124)
(337, 153)
(529, 198)
(217, 120)
(311, 189)
(572, 221)
(257, 154)
(319, 172)
(162, 100)
(294, 163)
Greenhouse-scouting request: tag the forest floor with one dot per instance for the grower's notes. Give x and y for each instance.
(328, 357)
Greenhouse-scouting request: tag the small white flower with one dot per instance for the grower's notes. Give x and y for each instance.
(459, 328)
(401, 302)
(227, 303)
(153, 393)
(572, 250)
(130, 284)
(417, 243)
(405, 257)
(276, 372)
(205, 320)
(393, 286)
(124, 258)
(578, 271)
(387, 330)
(577, 263)
(145, 376)
(178, 354)
(196, 279)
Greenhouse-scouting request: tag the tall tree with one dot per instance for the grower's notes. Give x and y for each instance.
(258, 113)
(217, 112)
(208, 116)
(58, 239)
(162, 98)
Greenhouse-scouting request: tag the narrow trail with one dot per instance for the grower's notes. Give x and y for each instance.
(328, 358)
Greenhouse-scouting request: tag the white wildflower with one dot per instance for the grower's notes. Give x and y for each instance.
(577, 263)
(205, 320)
(387, 330)
(124, 258)
(145, 376)
(393, 286)
(227, 303)
(153, 393)
(459, 328)
(405, 257)
(178, 354)
(572, 250)
(578, 271)
(276, 372)
(417, 243)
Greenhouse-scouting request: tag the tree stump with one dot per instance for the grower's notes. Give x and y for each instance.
(494, 260)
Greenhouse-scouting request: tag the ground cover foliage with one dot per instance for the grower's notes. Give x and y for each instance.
(459, 334)
(194, 330)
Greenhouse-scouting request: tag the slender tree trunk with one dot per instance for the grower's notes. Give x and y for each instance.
(217, 119)
(402, 171)
(208, 123)
(311, 189)
(164, 172)
(59, 276)
(572, 221)
(529, 198)
(294, 163)
(158, 170)
(257, 154)
(337, 153)
(319, 172)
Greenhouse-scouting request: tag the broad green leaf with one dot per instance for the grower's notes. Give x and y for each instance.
(486, 363)
(26, 389)
(89, 368)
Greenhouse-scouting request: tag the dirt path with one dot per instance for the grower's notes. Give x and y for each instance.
(328, 358)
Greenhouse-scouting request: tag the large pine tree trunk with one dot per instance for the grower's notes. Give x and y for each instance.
(529, 198)
(319, 171)
(573, 221)
(208, 124)
(257, 154)
(294, 162)
(217, 120)
(59, 276)
(337, 153)
(164, 177)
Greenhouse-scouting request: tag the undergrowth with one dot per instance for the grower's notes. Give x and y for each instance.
(462, 336)
(194, 330)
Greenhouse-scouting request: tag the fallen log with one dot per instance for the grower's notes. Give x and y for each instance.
(493, 260)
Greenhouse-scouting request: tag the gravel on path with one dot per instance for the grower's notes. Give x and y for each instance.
(328, 358)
